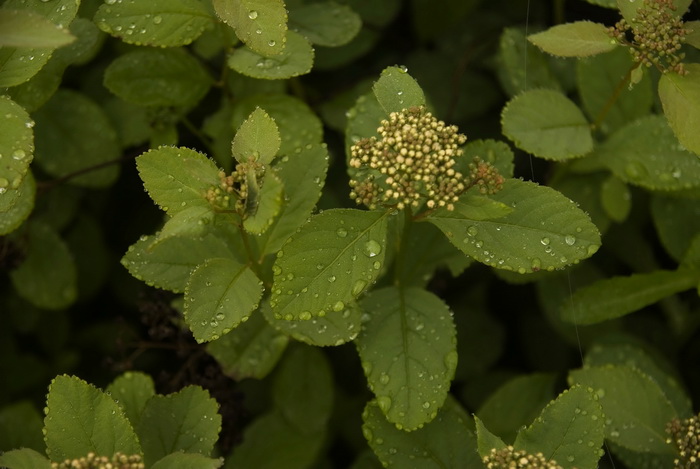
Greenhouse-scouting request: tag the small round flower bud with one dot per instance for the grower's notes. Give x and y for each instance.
(509, 458)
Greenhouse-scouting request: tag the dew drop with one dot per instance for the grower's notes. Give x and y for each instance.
(358, 287)
(544, 241)
(339, 306)
(220, 316)
(377, 265)
(331, 279)
(341, 232)
(570, 240)
(472, 231)
(157, 19)
(384, 403)
(252, 14)
(372, 248)
(305, 315)
(384, 378)
(536, 264)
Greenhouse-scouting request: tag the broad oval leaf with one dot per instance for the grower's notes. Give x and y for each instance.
(16, 149)
(81, 419)
(47, 277)
(251, 350)
(646, 153)
(327, 24)
(547, 124)
(329, 261)
(185, 421)
(577, 39)
(24, 28)
(614, 297)
(636, 409)
(545, 231)
(158, 77)
(570, 430)
(177, 178)
(131, 391)
(408, 348)
(73, 134)
(24, 458)
(396, 90)
(680, 97)
(447, 441)
(474, 207)
(296, 59)
(220, 294)
(161, 23)
(257, 139)
(261, 24)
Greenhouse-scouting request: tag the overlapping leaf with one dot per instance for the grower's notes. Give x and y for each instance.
(261, 24)
(396, 90)
(328, 24)
(680, 96)
(296, 59)
(131, 391)
(24, 28)
(257, 138)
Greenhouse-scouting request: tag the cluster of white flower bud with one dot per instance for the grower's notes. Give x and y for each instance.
(685, 435)
(92, 461)
(509, 458)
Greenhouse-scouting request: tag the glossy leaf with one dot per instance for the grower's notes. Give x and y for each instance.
(680, 96)
(577, 39)
(187, 461)
(677, 222)
(220, 294)
(186, 421)
(408, 351)
(251, 350)
(547, 124)
(24, 28)
(261, 24)
(167, 263)
(396, 90)
(47, 276)
(81, 419)
(21, 204)
(636, 410)
(303, 176)
(131, 391)
(330, 261)
(177, 178)
(328, 24)
(545, 231)
(447, 441)
(73, 134)
(158, 77)
(24, 458)
(570, 430)
(296, 59)
(160, 23)
(257, 138)
(614, 297)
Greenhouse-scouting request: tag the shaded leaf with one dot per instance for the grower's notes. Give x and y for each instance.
(20, 207)
(677, 222)
(20, 427)
(24, 458)
(296, 59)
(24, 28)
(680, 96)
(486, 441)
(577, 39)
(131, 391)
(261, 24)
(514, 51)
(396, 90)
(615, 198)
(328, 24)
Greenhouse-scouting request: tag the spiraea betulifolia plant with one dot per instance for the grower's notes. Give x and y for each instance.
(488, 257)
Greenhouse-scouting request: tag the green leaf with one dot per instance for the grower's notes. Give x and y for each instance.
(691, 259)
(545, 231)
(167, 263)
(473, 207)
(81, 419)
(257, 139)
(303, 176)
(396, 90)
(635, 357)
(292, 448)
(260, 24)
(251, 350)
(187, 461)
(680, 96)
(337, 328)
(296, 59)
(632, 154)
(601, 77)
(20, 207)
(497, 153)
(363, 120)
(693, 37)
(177, 178)
(303, 389)
(616, 199)
(191, 222)
(636, 409)
(24, 458)
(326, 24)
(158, 77)
(186, 421)
(20, 427)
(408, 351)
(486, 441)
(570, 430)
(330, 261)
(160, 23)
(47, 277)
(604, 3)
(220, 294)
(614, 297)
(445, 442)
(577, 39)
(516, 403)
(514, 51)
(297, 123)
(547, 124)
(131, 391)
(267, 205)
(24, 28)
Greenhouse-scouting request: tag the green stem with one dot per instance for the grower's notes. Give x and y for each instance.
(616, 94)
(402, 237)
(252, 255)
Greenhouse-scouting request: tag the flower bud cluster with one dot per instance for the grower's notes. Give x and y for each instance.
(685, 435)
(220, 196)
(657, 35)
(233, 188)
(92, 461)
(509, 458)
(410, 164)
(485, 177)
